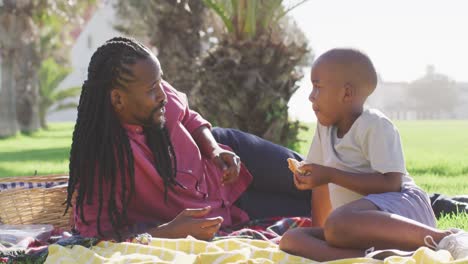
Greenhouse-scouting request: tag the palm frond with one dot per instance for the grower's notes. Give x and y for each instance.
(250, 26)
(283, 13)
(50, 76)
(66, 93)
(221, 11)
(63, 106)
(269, 12)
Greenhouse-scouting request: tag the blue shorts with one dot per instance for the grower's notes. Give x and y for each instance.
(411, 202)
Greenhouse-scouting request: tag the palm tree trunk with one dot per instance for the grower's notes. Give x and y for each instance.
(173, 27)
(8, 125)
(42, 117)
(27, 94)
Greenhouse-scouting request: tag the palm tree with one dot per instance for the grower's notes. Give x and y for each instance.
(52, 99)
(173, 27)
(13, 27)
(249, 73)
(23, 26)
(247, 79)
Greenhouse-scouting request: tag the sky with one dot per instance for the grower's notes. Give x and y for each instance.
(401, 37)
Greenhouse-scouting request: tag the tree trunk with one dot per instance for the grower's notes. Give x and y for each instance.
(173, 27)
(247, 85)
(179, 29)
(8, 125)
(42, 117)
(21, 60)
(27, 94)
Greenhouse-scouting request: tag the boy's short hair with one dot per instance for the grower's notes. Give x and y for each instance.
(357, 64)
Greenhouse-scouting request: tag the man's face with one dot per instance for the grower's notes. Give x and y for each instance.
(327, 92)
(143, 99)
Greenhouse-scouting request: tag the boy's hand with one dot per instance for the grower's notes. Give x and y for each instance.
(296, 166)
(314, 176)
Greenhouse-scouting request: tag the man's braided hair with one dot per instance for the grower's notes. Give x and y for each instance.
(101, 153)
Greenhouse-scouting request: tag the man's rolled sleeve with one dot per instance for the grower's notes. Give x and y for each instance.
(190, 119)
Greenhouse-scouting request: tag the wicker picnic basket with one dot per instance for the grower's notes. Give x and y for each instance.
(21, 206)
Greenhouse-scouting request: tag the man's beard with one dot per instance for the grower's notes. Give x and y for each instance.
(160, 122)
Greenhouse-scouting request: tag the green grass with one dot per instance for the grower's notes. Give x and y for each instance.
(453, 220)
(436, 155)
(44, 152)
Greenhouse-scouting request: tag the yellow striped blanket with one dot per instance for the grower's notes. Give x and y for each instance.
(232, 250)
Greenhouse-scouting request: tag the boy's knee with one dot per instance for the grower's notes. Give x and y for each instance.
(287, 240)
(337, 227)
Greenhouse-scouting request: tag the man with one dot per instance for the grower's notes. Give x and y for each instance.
(142, 161)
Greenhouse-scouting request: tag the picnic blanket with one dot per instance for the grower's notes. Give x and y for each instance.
(252, 242)
(231, 250)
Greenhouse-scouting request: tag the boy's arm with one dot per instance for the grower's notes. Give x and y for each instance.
(363, 183)
(367, 183)
(381, 146)
(321, 206)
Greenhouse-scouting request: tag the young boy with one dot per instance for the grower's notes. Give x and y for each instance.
(362, 194)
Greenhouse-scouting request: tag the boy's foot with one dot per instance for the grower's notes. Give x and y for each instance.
(455, 243)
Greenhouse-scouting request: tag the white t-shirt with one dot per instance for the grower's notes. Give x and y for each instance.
(372, 144)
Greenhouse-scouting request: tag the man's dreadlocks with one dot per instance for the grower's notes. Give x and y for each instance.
(101, 153)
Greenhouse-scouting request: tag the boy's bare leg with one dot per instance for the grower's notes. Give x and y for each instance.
(309, 242)
(361, 225)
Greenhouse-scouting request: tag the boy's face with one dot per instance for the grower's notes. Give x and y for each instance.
(328, 92)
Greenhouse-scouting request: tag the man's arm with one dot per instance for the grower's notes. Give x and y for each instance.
(226, 160)
(206, 142)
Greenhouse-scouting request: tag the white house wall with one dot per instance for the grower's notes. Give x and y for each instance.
(98, 29)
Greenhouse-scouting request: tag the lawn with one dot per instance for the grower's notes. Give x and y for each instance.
(436, 155)
(44, 152)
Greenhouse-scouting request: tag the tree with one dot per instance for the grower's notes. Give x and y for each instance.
(51, 98)
(8, 125)
(11, 30)
(173, 27)
(250, 52)
(24, 27)
(247, 79)
(433, 94)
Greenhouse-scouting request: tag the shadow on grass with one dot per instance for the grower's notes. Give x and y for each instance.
(437, 169)
(50, 155)
(52, 137)
(4, 173)
(7, 173)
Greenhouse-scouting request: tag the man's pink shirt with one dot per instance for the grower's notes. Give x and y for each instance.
(199, 177)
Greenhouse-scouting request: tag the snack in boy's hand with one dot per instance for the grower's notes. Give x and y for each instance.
(294, 165)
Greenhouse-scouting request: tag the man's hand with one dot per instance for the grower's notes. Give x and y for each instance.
(226, 160)
(229, 162)
(314, 175)
(191, 222)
